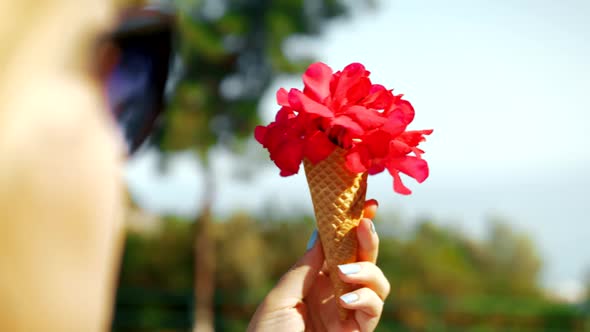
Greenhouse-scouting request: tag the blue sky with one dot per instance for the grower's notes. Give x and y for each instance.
(505, 86)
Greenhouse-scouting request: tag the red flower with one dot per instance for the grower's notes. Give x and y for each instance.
(345, 109)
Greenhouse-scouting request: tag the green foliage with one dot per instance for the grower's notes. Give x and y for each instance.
(442, 279)
(162, 259)
(513, 255)
(155, 283)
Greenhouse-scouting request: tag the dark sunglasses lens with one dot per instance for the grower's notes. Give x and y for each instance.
(136, 83)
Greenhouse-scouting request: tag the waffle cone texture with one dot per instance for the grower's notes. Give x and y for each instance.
(338, 197)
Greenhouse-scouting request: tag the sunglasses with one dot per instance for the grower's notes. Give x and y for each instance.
(134, 64)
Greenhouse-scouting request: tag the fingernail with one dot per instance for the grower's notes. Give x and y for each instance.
(373, 227)
(349, 298)
(349, 268)
(312, 239)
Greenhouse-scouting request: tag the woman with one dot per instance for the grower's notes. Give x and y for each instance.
(61, 192)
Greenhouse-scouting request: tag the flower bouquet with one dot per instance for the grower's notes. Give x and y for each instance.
(342, 127)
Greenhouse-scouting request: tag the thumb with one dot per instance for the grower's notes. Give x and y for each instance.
(296, 283)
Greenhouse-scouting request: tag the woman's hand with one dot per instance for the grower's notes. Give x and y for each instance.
(303, 299)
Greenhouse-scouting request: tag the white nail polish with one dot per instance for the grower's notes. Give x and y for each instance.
(349, 298)
(350, 268)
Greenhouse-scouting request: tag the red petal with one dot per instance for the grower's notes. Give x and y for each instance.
(300, 101)
(398, 185)
(398, 149)
(318, 147)
(404, 109)
(355, 69)
(357, 159)
(274, 137)
(376, 168)
(347, 79)
(317, 81)
(341, 136)
(395, 124)
(348, 123)
(283, 115)
(282, 97)
(378, 143)
(379, 97)
(260, 134)
(411, 166)
(367, 118)
(359, 91)
(288, 156)
(414, 137)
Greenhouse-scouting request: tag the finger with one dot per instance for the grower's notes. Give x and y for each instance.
(367, 305)
(368, 241)
(370, 209)
(366, 274)
(295, 284)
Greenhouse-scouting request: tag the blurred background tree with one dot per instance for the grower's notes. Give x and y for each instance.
(231, 50)
(442, 279)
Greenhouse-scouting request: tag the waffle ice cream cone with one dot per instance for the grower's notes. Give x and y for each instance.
(338, 198)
